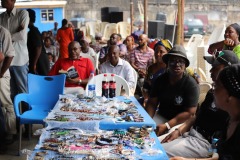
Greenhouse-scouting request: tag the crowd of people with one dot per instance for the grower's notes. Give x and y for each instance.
(165, 86)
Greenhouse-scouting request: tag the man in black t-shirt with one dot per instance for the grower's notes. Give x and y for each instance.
(175, 98)
(38, 59)
(175, 91)
(193, 138)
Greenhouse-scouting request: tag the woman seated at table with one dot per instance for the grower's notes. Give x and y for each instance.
(231, 42)
(227, 98)
(161, 48)
(175, 91)
(77, 68)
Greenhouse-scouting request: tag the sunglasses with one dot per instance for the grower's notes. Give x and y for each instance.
(218, 56)
(180, 62)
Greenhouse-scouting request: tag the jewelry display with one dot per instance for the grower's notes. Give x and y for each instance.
(40, 155)
(85, 128)
(79, 143)
(73, 109)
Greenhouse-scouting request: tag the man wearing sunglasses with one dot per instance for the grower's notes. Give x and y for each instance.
(193, 138)
(174, 91)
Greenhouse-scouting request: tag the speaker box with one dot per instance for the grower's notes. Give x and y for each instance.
(116, 17)
(156, 29)
(109, 9)
(169, 31)
(106, 18)
(106, 11)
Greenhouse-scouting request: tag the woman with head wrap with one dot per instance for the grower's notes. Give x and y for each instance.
(155, 70)
(231, 42)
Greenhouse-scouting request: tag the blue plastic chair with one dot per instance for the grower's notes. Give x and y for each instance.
(43, 94)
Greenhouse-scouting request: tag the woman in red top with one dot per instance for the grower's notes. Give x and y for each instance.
(64, 37)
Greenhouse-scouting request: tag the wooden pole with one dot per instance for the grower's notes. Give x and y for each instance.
(179, 23)
(131, 15)
(182, 22)
(145, 16)
(174, 27)
(180, 19)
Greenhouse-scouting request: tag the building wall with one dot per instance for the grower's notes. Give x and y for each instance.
(92, 9)
(224, 12)
(45, 26)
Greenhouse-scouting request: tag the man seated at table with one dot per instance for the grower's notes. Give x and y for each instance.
(118, 66)
(175, 91)
(77, 68)
(112, 41)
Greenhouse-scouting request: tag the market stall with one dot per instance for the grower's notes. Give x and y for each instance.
(98, 128)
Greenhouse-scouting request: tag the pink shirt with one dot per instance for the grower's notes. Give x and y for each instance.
(142, 59)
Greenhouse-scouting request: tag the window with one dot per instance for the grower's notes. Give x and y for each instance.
(47, 15)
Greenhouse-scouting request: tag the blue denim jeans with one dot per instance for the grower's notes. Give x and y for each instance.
(18, 80)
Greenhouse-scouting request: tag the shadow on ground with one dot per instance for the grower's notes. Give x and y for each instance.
(12, 151)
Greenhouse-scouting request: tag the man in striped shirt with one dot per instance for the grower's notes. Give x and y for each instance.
(141, 58)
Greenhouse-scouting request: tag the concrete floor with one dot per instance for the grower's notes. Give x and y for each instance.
(26, 144)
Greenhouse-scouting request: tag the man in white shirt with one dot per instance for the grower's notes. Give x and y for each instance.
(118, 66)
(86, 49)
(16, 21)
(6, 48)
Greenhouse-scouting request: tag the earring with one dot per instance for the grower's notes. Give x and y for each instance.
(229, 99)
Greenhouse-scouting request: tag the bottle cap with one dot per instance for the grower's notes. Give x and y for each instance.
(112, 74)
(105, 75)
(214, 140)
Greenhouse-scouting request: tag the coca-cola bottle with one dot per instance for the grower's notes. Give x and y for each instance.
(105, 86)
(112, 87)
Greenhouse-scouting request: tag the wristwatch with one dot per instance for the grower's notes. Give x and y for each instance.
(79, 82)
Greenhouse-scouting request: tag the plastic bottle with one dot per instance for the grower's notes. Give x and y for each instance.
(105, 86)
(213, 148)
(195, 74)
(112, 87)
(91, 86)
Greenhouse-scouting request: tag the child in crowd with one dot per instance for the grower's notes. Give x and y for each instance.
(50, 58)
